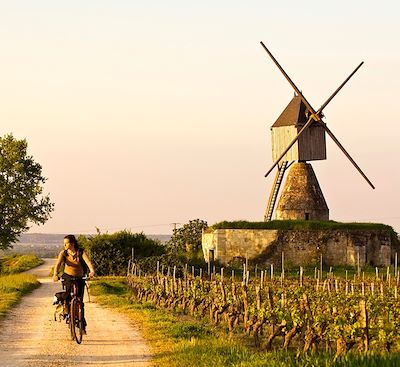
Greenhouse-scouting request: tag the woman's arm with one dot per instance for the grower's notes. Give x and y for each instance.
(60, 260)
(88, 263)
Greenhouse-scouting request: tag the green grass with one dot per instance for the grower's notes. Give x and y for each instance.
(12, 288)
(13, 264)
(299, 225)
(180, 341)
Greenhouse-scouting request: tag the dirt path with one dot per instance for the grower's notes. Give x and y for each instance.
(30, 337)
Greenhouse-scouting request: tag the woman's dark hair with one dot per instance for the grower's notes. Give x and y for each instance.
(72, 239)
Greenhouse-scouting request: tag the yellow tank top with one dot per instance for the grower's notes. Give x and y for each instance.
(72, 264)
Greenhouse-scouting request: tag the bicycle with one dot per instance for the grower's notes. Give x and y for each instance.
(75, 314)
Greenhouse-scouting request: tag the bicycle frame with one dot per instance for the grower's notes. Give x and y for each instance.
(76, 321)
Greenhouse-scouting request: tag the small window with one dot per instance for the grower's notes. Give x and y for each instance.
(307, 216)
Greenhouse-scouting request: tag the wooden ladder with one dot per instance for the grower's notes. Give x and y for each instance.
(275, 189)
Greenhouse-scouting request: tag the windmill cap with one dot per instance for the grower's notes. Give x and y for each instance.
(295, 113)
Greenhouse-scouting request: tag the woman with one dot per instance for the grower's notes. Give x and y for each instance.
(74, 259)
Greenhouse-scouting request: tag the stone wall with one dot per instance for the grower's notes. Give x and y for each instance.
(338, 247)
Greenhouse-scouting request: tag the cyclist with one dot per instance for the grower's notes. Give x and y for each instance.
(76, 263)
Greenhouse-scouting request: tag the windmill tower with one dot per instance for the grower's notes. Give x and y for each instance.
(298, 136)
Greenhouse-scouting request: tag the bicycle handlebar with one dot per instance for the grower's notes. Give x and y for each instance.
(75, 278)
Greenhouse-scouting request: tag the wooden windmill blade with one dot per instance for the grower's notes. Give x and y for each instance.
(339, 88)
(347, 154)
(289, 80)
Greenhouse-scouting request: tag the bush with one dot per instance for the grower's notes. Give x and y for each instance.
(110, 253)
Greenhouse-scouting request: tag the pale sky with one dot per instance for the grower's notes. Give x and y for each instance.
(145, 113)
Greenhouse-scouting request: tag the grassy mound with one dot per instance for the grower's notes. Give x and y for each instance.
(299, 225)
(13, 264)
(13, 287)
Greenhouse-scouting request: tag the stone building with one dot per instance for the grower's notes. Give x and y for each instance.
(300, 247)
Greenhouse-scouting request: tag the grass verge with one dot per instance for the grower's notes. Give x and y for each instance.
(180, 341)
(13, 264)
(12, 288)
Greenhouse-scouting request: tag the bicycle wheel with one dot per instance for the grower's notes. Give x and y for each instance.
(72, 314)
(77, 324)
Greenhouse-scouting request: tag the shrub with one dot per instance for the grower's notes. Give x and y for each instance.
(110, 253)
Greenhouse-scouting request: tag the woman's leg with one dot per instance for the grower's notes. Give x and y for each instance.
(67, 295)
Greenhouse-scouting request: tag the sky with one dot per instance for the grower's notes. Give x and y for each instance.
(148, 113)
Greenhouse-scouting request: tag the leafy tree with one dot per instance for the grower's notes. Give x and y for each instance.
(21, 188)
(110, 253)
(188, 237)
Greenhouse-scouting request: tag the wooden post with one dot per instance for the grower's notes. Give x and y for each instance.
(174, 275)
(233, 276)
(272, 271)
(376, 273)
(346, 275)
(320, 267)
(129, 267)
(395, 265)
(283, 266)
(201, 273)
(158, 267)
(364, 324)
(301, 276)
(193, 271)
(262, 279)
(315, 273)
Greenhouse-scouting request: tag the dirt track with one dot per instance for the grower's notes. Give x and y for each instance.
(29, 336)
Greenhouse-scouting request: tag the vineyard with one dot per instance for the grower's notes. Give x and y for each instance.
(334, 315)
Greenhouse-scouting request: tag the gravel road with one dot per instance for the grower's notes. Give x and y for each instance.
(30, 337)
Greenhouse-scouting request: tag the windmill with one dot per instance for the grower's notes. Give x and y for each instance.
(299, 135)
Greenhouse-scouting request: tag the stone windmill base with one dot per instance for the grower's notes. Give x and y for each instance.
(301, 197)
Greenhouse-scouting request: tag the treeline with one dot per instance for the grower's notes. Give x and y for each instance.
(111, 253)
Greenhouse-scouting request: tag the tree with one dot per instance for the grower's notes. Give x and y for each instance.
(188, 237)
(110, 253)
(21, 188)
